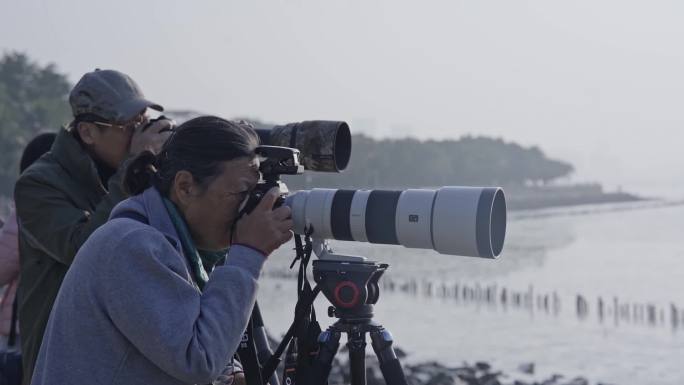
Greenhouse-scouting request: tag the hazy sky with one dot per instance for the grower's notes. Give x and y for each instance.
(597, 83)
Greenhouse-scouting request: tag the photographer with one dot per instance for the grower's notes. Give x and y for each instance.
(149, 299)
(67, 194)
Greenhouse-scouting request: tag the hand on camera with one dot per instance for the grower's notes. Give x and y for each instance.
(151, 137)
(265, 228)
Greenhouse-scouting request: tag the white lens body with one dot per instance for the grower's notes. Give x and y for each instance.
(468, 221)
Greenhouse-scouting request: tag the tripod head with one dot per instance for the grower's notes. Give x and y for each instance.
(350, 283)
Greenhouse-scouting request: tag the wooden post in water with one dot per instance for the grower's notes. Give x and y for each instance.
(582, 307)
(674, 317)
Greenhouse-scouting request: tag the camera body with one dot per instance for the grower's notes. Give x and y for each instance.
(274, 161)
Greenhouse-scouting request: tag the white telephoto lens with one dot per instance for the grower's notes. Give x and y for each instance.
(468, 221)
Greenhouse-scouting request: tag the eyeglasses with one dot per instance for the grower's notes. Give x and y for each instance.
(128, 127)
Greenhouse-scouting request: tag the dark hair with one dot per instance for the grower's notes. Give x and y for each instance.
(198, 146)
(35, 149)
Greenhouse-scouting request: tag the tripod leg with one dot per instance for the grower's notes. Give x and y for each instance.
(328, 343)
(390, 366)
(357, 357)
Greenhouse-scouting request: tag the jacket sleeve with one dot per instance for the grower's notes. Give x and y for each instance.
(189, 335)
(49, 220)
(9, 254)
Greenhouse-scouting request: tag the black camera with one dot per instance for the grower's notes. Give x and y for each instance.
(274, 162)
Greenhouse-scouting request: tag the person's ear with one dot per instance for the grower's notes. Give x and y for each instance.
(184, 188)
(86, 131)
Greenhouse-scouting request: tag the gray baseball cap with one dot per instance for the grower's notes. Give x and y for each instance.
(109, 94)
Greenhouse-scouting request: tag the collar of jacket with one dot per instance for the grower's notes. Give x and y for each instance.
(150, 205)
(76, 161)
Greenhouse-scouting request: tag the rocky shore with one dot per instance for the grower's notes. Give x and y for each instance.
(479, 373)
(436, 373)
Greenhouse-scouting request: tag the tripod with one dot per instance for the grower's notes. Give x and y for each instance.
(350, 283)
(352, 288)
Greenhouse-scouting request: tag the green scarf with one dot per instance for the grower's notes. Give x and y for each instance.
(202, 262)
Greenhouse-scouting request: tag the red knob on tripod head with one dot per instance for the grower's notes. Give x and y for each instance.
(346, 294)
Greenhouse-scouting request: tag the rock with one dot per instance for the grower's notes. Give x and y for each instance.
(578, 381)
(421, 377)
(463, 371)
(441, 379)
(553, 380)
(527, 368)
(466, 374)
(482, 366)
(427, 373)
(490, 379)
(400, 353)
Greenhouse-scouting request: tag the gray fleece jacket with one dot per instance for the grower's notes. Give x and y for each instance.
(129, 312)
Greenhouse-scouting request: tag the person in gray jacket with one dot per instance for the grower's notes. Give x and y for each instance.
(152, 297)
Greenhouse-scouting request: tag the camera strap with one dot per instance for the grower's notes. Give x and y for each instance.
(13, 328)
(308, 329)
(249, 358)
(304, 324)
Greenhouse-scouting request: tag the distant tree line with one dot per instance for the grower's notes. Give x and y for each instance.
(33, 98)
(401, 163)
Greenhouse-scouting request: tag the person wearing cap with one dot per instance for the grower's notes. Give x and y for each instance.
(68, 193)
